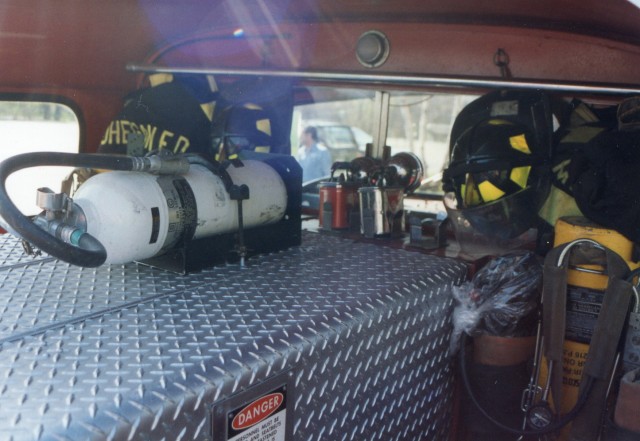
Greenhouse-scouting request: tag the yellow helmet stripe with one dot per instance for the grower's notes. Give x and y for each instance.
(470, 192)
(489, 192)
(519, 143)
(520, 175)
(264, 125)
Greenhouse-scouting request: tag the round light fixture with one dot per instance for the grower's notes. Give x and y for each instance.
(372, 49)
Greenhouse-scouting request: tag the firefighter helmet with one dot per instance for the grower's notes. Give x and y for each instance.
(497, 174)
(239, 128)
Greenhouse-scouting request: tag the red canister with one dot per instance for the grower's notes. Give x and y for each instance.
(341, 200)
(327, 203)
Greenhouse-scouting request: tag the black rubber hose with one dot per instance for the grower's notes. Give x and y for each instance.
(90, 253)
(90, 243)
(556, 425)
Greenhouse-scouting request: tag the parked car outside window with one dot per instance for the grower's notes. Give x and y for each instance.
(344, 142)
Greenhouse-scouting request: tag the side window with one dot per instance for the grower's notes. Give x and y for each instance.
(421, 123)
(27, 126)
(342, 118)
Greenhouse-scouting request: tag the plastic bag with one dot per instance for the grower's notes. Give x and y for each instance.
(501, 299)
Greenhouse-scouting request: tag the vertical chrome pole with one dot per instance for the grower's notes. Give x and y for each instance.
(381, 122)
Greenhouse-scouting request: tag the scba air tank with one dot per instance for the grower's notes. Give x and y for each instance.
(139, 215)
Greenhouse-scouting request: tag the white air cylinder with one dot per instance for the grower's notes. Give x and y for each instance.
(138, 215)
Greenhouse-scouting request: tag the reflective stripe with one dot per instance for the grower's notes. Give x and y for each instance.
(470, 192)
(486, 191)
(520, 175)
(489, 192)
(519, 143)
(264, 125)
(499, 122)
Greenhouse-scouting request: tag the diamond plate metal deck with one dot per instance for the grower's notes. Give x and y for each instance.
(131, 352)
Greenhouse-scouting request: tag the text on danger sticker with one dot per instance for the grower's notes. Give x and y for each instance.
(257, 411)
(264, 418)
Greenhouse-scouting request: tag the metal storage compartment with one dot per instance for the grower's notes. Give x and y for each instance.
(353, 336)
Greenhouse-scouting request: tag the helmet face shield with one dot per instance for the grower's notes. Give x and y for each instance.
(504, 218)
(492, 229)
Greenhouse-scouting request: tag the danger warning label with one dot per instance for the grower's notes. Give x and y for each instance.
(263, 419)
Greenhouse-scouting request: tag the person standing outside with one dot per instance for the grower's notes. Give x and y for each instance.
(314, 158)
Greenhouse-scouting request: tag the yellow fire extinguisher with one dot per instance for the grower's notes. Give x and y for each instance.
(585, 301)
(587, 282)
